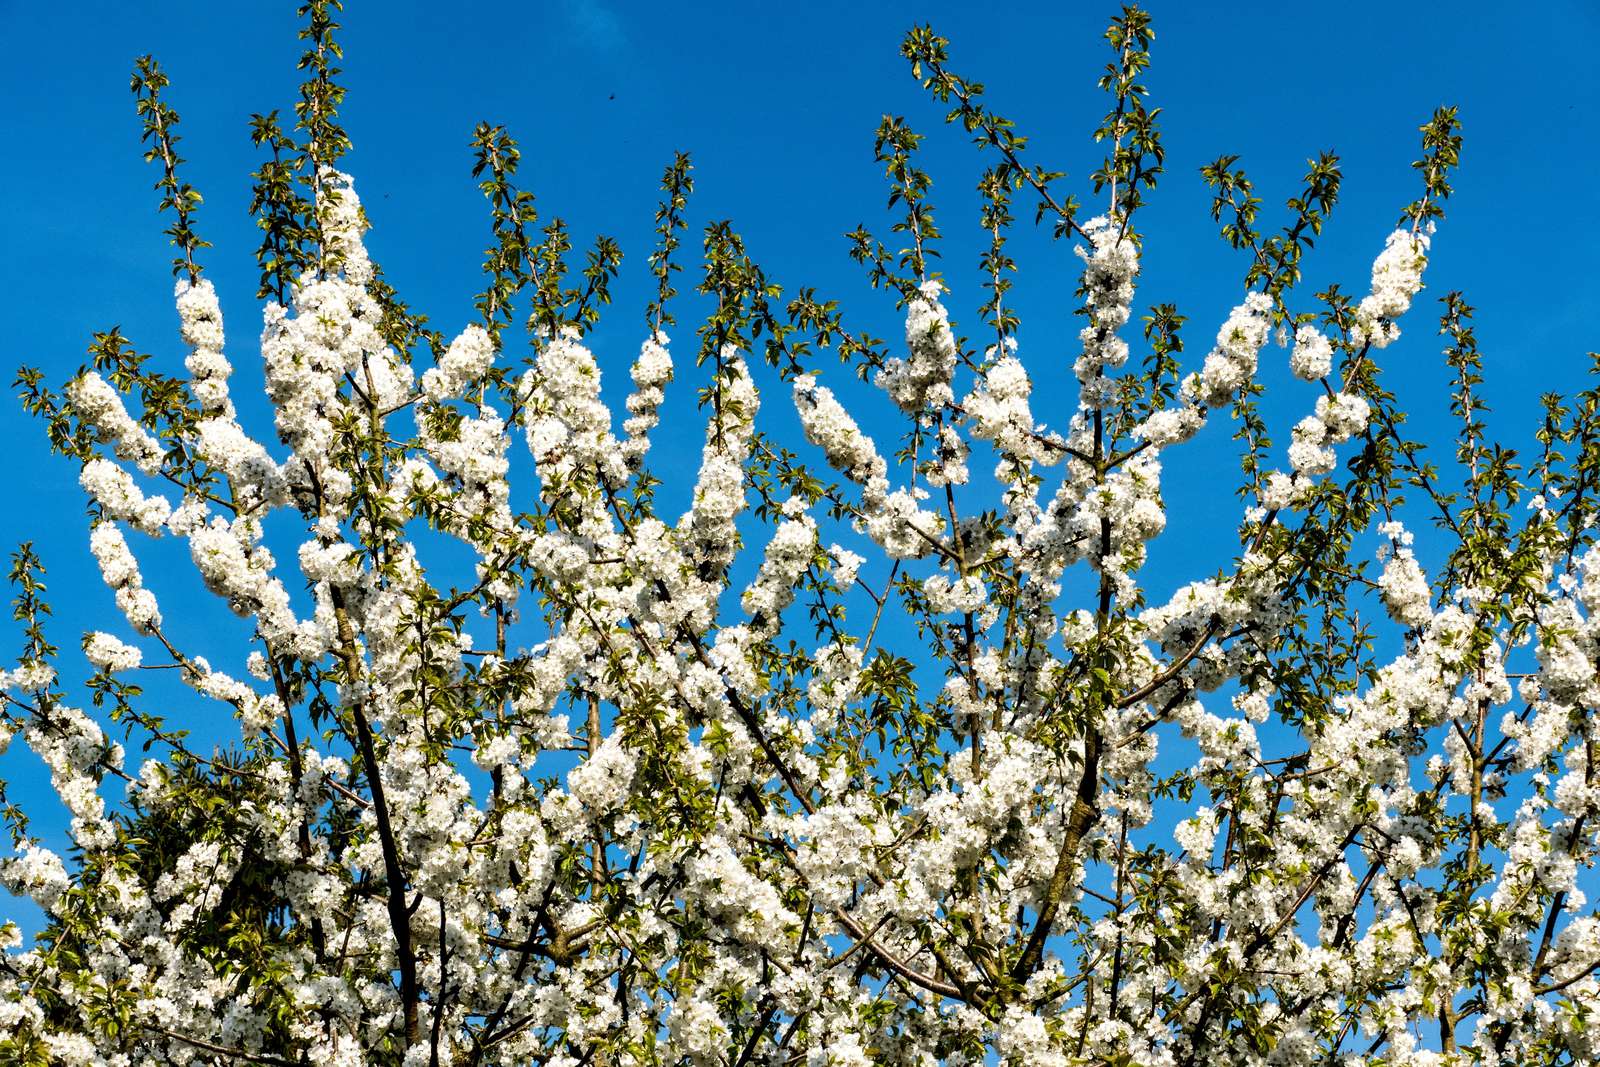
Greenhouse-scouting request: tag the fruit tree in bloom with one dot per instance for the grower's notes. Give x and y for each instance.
(854, 759)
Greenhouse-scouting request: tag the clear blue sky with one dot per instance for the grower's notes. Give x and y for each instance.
(778, 103)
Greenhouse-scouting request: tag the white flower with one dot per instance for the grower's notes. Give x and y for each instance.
(1232, 362)
(109, 654)
(923, 379)
(1170, 425)
(846, 566)
(1344, 415)
(1405, 590)
(200, 318)
(828, 426)
(114, 490)
(1312, 356)
(651, 373)
(708, 529)
(1108, 273)
(1396, 278)
(467, 359)
(1309, 453)
(121, 572)
(99, 405)
(37, 873)
(602, 782)
(944, 596)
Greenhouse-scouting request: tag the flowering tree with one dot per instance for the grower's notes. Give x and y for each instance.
(645, 821)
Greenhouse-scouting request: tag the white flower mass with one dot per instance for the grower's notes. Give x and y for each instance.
(869, 756)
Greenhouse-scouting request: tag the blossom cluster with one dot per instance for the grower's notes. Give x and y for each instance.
(940, 770)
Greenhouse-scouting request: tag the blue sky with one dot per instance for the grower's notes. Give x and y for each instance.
(778, 104)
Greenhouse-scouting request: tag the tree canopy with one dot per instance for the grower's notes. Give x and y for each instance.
(855, 760)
